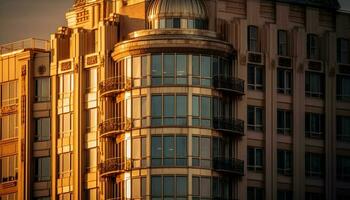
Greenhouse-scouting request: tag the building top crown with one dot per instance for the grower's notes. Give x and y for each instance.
(177, 8)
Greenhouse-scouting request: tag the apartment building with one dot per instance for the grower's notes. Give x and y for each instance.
(187, 99)
(25, 141)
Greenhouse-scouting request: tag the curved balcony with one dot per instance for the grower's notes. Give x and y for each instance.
(229, 165)
(114, 166)
(231, 126)
(114, 126)
(113, 86)
(229, 84)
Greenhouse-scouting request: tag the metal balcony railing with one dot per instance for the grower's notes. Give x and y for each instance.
(112, 127)
(229, 165)
(233, 126)
(113, 86)
(30, 43)
(229, 84)
(114, 166)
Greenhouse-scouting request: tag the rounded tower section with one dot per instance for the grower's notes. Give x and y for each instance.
(169, 126)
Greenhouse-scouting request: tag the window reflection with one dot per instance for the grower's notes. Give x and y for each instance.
(169, 150)
(169, 110)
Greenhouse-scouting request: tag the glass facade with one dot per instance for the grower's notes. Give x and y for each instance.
(168, 69)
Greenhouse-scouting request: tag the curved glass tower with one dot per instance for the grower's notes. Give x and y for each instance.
(169, 128)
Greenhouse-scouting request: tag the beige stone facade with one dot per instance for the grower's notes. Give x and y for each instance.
(185, 99)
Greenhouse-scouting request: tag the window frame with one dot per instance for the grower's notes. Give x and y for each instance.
(255, 126)
(253, 42)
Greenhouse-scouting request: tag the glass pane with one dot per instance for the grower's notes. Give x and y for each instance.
(195, 186)
(195, 66)
(181, 151)
(156, 106)
(205, 107)
(195, 146)
(195, 106)
(181, 186)
(169, 186)
(156, 151)
(169, 109)
(205, 187)
(156, 190)
(181, 105)
(156, 69)
(205, 148)
(181, 65)
(169, 68)
(169, 150)
(205, 66)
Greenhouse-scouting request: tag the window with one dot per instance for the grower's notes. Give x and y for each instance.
(42, 169)
(314, 84)
(66, 84)
(91, 159)
(139, 155)
(42, 129)
(201, 187)
(343, 88)
(314, 164)
(284, 162)
(255, 193)
(343, 168)
(201, 111)
(253, 38)
(91, 120)
(255, 77)
(343, 51)
(201, 152)
(169, 69)
(313, 48)
(169, 110)
(343, 128)
(284, 122)
(8, 127)
(8, 170)
(169, 187)
(42, 89)
(282, 43)
(255, 159)
(65, 122)
(139, 71)
(91, 194)
(65, 164)
(91, 79)
(284, 80)
(255, 118)
(169, 151)
(314, 125)
(284, 195)
(201, 70)
(9, 93)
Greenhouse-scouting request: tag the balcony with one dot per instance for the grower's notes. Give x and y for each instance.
(229, 84)
(113, 86)
(231, 126)
(113, 127)
(114, 166)
(229, 166)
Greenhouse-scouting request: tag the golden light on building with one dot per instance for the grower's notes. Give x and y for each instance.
(180, 99)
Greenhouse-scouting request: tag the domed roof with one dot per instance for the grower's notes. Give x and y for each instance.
(177, 8)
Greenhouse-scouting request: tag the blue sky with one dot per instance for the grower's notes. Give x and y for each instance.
(20, 19)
